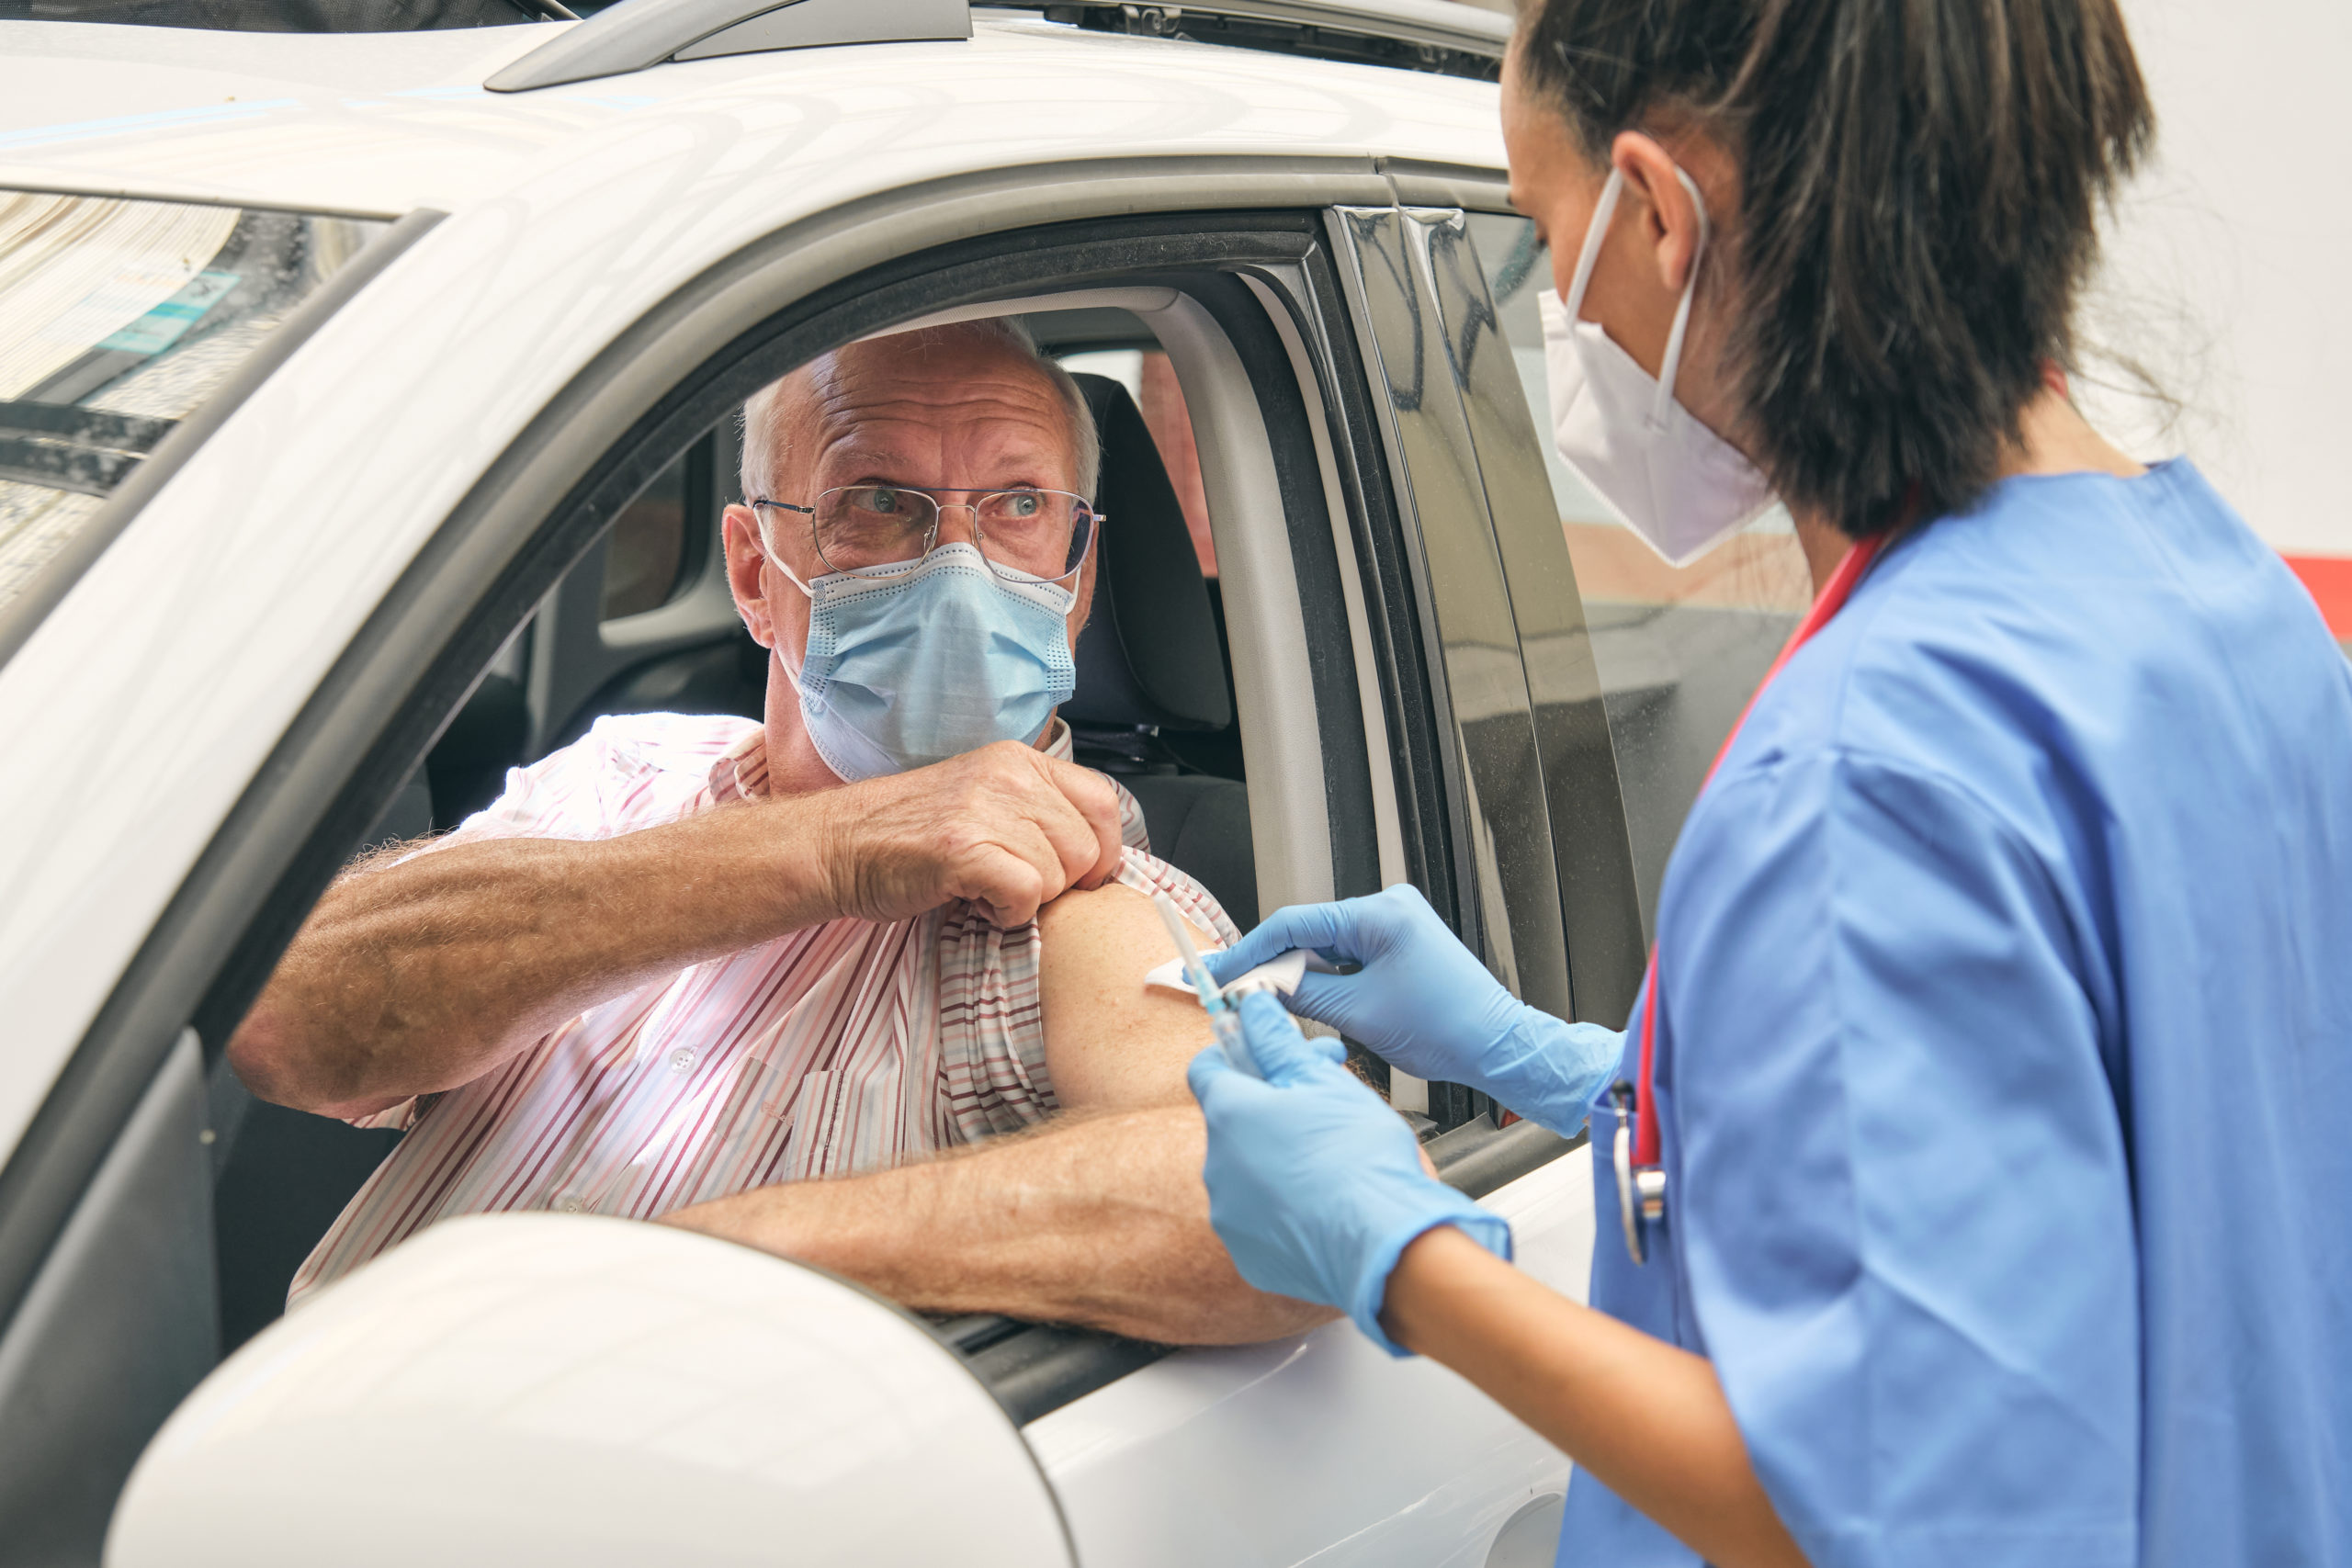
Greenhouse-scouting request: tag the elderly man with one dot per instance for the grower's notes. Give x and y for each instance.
(686, 965)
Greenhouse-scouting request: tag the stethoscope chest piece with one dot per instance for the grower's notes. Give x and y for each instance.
(1641, 1189)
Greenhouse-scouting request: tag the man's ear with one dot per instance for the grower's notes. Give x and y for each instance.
(1084, 588)
(1666, 218)
(746, 572)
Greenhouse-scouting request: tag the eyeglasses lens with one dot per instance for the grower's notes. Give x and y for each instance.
(1020, 532)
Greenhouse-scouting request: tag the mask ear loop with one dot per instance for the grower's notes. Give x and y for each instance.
(768, 548)
(1602, 211)
(1673, 362)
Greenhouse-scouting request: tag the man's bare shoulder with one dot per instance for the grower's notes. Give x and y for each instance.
(1110, 1041)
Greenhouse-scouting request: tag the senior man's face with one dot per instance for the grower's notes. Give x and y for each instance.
(941, 413)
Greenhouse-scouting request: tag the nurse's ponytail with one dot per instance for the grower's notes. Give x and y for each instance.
(1921, 184)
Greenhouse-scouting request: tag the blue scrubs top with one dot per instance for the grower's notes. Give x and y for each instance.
(2005, 1058)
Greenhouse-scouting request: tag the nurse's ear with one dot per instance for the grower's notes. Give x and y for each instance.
(1663, 217)
(1657, 238)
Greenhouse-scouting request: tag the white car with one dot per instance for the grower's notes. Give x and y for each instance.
(365, 404)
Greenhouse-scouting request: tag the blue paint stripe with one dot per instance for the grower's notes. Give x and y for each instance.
(133, 124)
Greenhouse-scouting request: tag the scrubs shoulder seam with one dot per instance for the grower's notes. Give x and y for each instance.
(1839, 758)
(1838, 755)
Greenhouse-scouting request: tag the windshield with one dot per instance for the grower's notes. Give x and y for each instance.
(117, 317)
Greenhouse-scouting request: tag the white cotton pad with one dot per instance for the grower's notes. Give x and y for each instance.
(1280, 975)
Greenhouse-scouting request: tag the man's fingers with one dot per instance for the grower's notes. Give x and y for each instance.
(1059, 839)
(1096, 802)
(1009, 888)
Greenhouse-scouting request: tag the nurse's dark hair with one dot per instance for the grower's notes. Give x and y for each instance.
(1922, 181)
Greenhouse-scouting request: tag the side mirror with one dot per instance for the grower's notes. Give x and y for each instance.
(542, 1388)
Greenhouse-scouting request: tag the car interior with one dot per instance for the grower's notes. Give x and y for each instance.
(644, 623)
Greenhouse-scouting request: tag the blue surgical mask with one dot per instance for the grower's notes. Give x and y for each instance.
(902, 672)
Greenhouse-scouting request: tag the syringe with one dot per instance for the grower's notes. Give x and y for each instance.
(1225, 1024)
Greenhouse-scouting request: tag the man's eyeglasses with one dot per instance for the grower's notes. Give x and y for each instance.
(886, 530)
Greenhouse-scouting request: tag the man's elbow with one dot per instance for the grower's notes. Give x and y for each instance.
(1249, 1317)
(273, 1056)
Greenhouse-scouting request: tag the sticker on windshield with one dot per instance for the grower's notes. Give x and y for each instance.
(169, 321)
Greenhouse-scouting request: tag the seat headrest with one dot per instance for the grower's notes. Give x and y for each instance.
(1149, 652)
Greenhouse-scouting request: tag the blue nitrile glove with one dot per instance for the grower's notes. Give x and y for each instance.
(1426, 1005)
(1316, 1187)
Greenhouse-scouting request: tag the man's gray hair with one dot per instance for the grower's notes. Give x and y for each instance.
(761, 454)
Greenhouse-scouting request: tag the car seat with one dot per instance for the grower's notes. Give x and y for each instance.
(1153, 680)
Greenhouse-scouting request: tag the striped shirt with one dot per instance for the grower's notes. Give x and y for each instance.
(845, 1047)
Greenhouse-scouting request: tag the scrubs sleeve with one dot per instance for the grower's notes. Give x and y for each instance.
(1901, 1197)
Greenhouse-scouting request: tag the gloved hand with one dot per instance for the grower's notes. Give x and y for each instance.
(1426, 1005)
(1315, 1186)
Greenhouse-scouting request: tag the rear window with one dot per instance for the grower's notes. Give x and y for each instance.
(117, 317)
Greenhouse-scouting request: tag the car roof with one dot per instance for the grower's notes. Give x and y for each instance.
(379, 124)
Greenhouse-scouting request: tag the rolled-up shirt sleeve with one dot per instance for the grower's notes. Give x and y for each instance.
(1901, 1195)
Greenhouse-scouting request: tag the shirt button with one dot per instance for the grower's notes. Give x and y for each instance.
(681, 1059)
(570, 1205)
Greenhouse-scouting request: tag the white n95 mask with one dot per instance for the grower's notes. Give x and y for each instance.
(1676, 484)
(906, 670)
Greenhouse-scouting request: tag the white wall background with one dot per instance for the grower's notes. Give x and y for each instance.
(2229, 270)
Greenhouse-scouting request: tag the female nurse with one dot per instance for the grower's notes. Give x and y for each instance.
(1989, 1109)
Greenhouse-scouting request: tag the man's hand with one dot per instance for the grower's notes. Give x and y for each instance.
(1006, 827)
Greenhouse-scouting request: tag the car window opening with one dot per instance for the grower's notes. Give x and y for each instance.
(1154, 708)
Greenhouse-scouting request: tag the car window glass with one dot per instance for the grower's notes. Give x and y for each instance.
(117, 317)
(659, 539)
(649, 542)
(1680, 650)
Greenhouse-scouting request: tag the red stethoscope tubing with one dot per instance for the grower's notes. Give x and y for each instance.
(1825, 606)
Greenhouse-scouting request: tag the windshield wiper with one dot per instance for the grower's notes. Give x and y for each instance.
(65, 447)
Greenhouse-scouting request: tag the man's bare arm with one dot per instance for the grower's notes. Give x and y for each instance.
(1100, 1218)
(424, 974)
(1097, 1219)
(1112, 1043)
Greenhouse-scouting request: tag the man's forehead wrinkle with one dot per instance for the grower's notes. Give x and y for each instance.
(931, 365)
(846, 393)
(893, 407)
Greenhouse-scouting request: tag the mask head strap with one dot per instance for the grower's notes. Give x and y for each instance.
(1602, 211)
